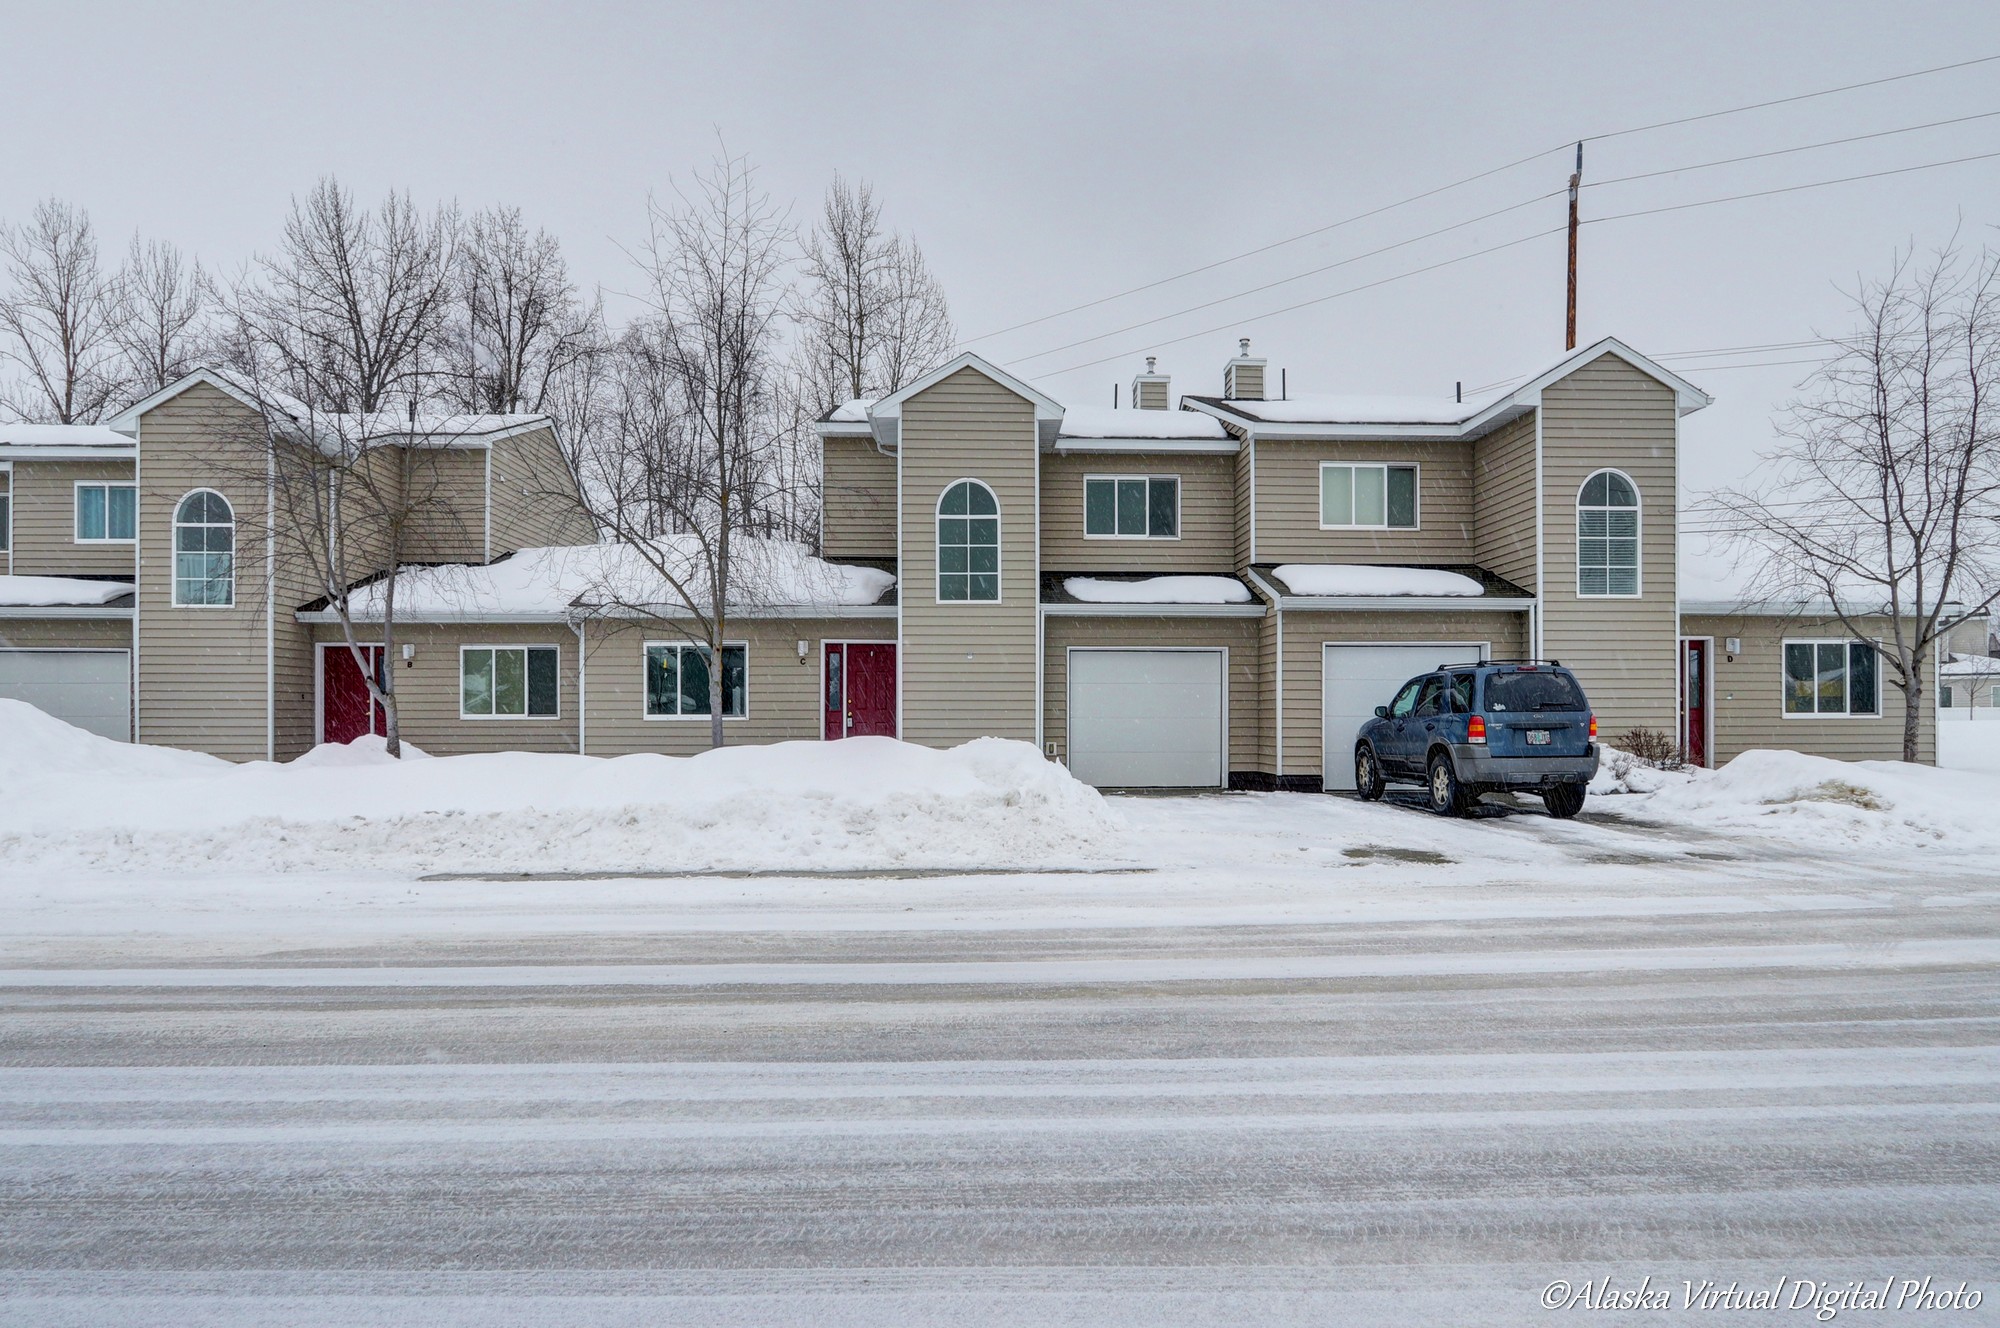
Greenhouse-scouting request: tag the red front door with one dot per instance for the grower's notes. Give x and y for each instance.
(1694, 701)
(346, 709)
(860, 690)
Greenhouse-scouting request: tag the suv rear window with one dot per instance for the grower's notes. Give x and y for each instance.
(1533, 691)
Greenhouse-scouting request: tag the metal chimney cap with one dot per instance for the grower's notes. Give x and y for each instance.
(1151, 360)
(1243, 346)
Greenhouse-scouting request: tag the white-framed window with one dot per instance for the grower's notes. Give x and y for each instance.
(106, 513)
(968, 542)
(1132, 507)
(1832, 678)
(204, 551)
(677, 680)
(1359, 496)
(509, 682)
(1607, 536)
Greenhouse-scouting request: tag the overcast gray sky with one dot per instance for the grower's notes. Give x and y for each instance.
(1048, 154)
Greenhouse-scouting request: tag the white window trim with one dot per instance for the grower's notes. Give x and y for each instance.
(463, 713)
(7, 524)
(937, 569)
(1880, 711)
(76, 511)
(647, 647)
(1149, 479)
(1639, 538)
(174, 550)
(1416, 494)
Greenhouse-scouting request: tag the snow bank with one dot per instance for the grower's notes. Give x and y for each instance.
(1363, 579)
(1621, 772)
(548, 580)
(76, 801)
(44, 591)
(1834, 804)
(1160, 590)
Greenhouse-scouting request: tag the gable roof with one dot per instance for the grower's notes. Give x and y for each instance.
(891, 406)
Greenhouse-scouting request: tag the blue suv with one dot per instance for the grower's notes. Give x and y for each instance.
(1469, 729)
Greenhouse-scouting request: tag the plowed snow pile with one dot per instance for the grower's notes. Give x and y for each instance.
(1835, 804)
(69, 799)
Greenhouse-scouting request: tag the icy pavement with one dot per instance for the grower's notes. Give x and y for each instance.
(1269, 1080)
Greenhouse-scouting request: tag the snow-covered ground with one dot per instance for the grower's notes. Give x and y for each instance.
(1969, 744)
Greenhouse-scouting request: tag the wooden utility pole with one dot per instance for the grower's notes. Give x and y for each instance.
(1575, 187)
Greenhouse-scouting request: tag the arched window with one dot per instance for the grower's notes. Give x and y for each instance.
(204, 550)
(1607, 536)
(968, 543)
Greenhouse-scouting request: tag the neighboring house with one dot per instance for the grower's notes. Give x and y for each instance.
(1215, 595)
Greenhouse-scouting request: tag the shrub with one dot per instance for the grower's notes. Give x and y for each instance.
(1653, 747)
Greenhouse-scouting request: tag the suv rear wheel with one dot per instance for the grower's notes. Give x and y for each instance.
(1448, 797)
(1563, 800)
(1367, 774)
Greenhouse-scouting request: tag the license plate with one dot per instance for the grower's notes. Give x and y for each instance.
(1538, 737)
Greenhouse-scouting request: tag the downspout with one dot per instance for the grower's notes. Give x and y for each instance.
(1536, 644)
(582, 692)
(270, 604)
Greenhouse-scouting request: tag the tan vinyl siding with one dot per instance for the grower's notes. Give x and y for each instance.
(784, 700)
(1505, 635)
(448, 494)
(66, 633)
(1288, 504)
(1238, 635)
(45, 542)
(857, 499)
(1246, 467)
(201, 671)
(1748, 696)
(427, 687)
(968, 669)
(1207, 540)
(1503, 487)
(1625, 651)
(534, 497)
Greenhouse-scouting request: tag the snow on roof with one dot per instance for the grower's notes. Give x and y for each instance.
(61, 435)
(1105, 422)
(41, 592)
(1331, 408)
(1334, 579)
(1159, 590)
(548, 581)
(853, 412)
(1970, 666)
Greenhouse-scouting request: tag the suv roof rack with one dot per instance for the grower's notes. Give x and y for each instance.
(1484, 663)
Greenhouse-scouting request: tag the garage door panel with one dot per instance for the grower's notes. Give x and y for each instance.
(1146, 718)
(91, 689)
(1357, 678)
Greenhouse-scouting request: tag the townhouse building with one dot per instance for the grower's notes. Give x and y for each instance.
(1202, 591)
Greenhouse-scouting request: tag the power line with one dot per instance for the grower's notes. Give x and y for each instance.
(1741, 350)
(1481, 175)
(1753, 364)
(1319, 299)
(1265, 248)
(1786, 101)
(1783, 152)
(1789, 189)
(1283, 281)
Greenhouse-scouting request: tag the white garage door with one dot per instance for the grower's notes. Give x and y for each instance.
(91, 689)
(1356, 679)
(1147, 718)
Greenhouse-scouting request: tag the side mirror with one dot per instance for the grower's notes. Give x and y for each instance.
(1381, 712)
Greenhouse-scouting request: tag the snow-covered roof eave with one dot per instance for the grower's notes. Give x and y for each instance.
(1795, 608)
(1405, 603)
(113, 611)
(1080, 610)
(1066, 445)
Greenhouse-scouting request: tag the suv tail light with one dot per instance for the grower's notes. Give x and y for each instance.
(1593, 726)
(1475, 729)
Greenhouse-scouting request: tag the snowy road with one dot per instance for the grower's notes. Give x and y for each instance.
(1418, 1103)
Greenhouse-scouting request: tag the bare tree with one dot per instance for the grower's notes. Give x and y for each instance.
(1884, 496)
(350, 314)
(58, 319)
(686, 455)
(342, 338)
(164, 304)
(524, 325)
(871, 314)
